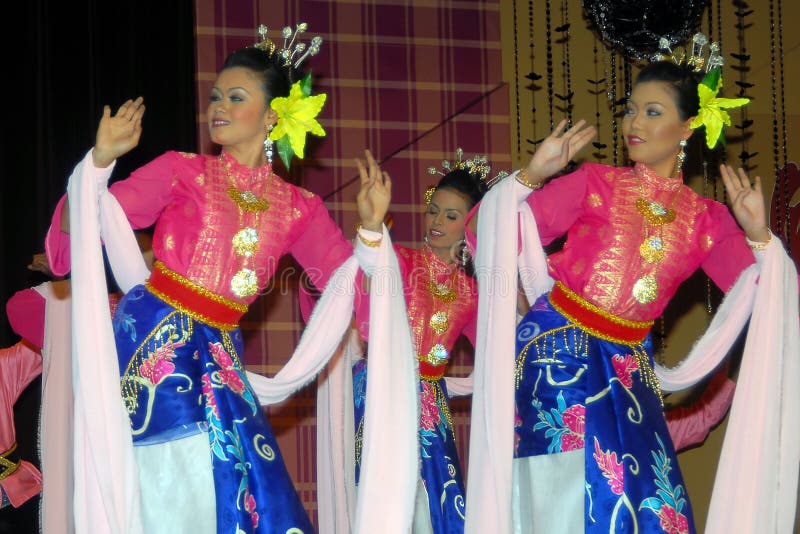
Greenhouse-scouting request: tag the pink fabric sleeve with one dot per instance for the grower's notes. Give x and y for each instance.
(25, 310)
(559, 203)
(689, 425)
(19, 365)
(320, 248)
(471, 328)
(730, 254)
(143, 196)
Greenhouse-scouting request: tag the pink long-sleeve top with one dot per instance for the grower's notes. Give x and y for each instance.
(600, 261)
(19, 365)
(418, 268)
(186, 196)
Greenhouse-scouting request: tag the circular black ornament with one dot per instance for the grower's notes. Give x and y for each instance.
(634, 27)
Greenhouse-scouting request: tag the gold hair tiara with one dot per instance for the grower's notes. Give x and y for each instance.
(293, 51)
(704, 56)
(477, 165)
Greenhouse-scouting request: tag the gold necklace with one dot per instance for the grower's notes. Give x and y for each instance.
(439, 321)
(246, 241)
(440, 291)
(652, 249)
(245, 199)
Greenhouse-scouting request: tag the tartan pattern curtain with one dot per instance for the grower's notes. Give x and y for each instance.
(411, 80)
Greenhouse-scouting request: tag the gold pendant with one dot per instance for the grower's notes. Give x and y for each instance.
(652, 249)
(244, 283)
(437, 355)
(247, 200)
(245, 242)
(645, 290)
(441, 292)
(439, 322)
(654, 212)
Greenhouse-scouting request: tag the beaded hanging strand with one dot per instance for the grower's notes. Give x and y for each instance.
(563, 29)
(532, 76)
(596, 90)
(784, 137)
(516, 80)
(613, 99)
(549, 54)
(742, 12)
(780, 223)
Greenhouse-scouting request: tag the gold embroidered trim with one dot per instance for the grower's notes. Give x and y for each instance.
(7, 467)
(200, 289)
(583, 303)
(191, 313)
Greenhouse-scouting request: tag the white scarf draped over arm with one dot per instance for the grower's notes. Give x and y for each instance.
(758, 472)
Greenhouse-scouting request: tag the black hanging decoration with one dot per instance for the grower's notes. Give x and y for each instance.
(634, 27)
(566, 65)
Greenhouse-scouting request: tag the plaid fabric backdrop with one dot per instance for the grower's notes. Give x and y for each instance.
(412, 81)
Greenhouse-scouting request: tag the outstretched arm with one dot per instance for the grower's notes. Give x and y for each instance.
(117, 135)
(555, 152)
(747, 203)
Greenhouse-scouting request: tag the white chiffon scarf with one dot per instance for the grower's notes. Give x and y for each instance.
(756, 484)
(106, 479)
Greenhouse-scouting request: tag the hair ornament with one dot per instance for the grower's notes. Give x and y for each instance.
(478, 165)
(705, 57)
(293, 53)
(297, 112)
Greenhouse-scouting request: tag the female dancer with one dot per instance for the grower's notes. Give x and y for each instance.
(441, 301)
(206, 455)
(591, 446)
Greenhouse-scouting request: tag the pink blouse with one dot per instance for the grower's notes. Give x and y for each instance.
(187, 197)
(419, 267)
(596, 207)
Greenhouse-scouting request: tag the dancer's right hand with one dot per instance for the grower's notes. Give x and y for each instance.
(375, 194)
(557, 149)
(119, 133)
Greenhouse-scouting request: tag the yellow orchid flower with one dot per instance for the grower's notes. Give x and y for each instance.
(296, 116)
(712, 112)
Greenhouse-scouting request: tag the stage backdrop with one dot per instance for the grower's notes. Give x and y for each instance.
(411, 81)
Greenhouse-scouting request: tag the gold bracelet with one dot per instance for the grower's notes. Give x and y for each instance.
(758, 246)
(522, 177)
(367, 242)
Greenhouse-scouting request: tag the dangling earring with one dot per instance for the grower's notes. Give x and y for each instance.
(425, 239)
(268, 145)
(464, 253)
(681, 157)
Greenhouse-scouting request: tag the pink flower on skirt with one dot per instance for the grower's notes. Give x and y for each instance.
(624, 366)
(158, 364)
(672, 521)
(611, 468)
(228, 374)
(208, 393)
(250, 506)
(574, 419)
(428, 411)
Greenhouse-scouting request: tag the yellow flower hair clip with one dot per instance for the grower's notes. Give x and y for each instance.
(711, 113)
(296, 117)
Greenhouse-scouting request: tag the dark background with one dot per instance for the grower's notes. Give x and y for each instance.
(62, 62)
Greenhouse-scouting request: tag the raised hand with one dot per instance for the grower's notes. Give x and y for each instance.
(747, 202)
(375, 194)
(557, 149)
(119, 133)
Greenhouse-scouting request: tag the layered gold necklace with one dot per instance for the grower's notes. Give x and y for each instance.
(652, 250)
(245, 242)
(439, 321)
